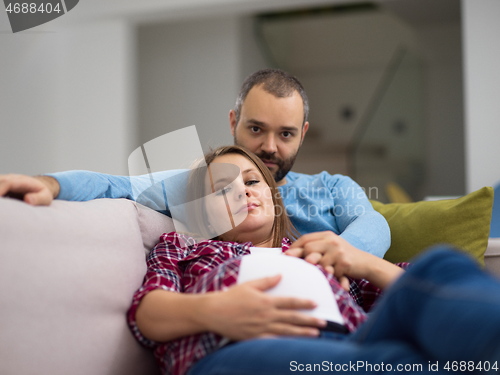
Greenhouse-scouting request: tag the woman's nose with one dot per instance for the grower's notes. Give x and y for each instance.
(243, 192)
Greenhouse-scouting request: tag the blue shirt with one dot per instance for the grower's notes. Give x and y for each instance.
(323, 202)
(314, 203)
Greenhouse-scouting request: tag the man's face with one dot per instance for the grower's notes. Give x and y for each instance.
(271, 128)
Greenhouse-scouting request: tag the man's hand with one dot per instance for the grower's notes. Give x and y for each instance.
(244, 311)
(332, 252)
(342, 259)
(38, 191)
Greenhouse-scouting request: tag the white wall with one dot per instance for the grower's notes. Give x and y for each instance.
(189, 74)
(482, 91)
(65, 97)
(251, 56)
(96, 107)
(29, 65)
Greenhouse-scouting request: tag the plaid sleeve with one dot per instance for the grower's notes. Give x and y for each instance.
(365, 293)
(220, 278)
(162, 273)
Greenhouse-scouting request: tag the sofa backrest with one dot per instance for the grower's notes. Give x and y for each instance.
(67, 275)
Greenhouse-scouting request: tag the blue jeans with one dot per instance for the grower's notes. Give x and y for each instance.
(441, 317)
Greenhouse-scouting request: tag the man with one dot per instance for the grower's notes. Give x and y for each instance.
(270, 119)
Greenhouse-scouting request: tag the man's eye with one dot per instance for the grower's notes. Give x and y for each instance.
(287, 134)
(254, 129)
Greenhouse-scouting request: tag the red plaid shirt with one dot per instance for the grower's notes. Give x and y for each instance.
(179, 264)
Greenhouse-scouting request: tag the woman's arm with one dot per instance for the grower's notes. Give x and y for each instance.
(161, 312)
(163, 315)
(241, 312)
(342, 259)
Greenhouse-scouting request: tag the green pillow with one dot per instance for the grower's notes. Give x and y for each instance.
(463, 222)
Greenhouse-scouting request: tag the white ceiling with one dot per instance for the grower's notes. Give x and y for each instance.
(157, 10)
(412, 11)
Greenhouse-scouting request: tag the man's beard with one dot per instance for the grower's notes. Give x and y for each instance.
(284, 166)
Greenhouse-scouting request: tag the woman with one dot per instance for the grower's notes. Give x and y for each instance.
(188, 337)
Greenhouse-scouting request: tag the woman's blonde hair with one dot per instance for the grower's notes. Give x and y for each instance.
(282, 226)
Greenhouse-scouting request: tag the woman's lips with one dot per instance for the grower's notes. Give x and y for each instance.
(252, 206)
(246, 208)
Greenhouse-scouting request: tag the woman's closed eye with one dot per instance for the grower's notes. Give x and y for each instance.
(224, 190)
(252, 182)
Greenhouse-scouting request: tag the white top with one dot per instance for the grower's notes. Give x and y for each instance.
(266, 250)
(299, 279)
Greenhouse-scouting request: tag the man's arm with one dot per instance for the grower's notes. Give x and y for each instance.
(71, 186)
(359, 224)
(82, 185)
(85, 185)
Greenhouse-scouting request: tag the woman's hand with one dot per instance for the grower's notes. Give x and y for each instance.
(244, 311)
(342, 259)
(241, 312)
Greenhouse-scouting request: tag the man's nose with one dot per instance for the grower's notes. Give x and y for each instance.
(269, 145)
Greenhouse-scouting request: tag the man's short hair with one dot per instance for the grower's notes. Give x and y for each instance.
(276, 82)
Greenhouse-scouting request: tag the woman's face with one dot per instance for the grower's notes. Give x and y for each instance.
(240, 209)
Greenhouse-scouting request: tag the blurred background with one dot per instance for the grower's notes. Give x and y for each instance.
(403, 93)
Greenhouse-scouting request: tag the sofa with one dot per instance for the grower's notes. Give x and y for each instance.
(67, 275)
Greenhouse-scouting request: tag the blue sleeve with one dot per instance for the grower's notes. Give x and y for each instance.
(149, 190)
(358, 222)
(86, 185)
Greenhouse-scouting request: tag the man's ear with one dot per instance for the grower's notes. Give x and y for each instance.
(232, 121)
(305, 128)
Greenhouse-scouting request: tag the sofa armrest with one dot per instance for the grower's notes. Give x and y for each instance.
(492, 256)
(67, 275)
